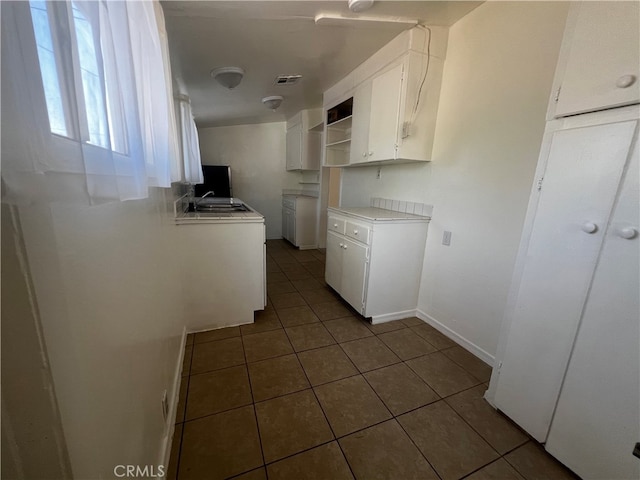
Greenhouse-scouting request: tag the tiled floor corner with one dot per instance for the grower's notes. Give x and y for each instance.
(312, 390)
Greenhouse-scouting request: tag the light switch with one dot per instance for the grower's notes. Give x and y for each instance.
(446, 238)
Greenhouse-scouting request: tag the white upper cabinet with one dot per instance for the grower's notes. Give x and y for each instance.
(599, 61)
(394, 97)
(304, 140)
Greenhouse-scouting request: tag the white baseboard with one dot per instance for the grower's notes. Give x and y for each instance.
(216, 327)
(165, 449)
(456, 337)
(388, 317)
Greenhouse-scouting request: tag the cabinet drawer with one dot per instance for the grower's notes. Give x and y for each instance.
(358, 232)
(336, 224)
(289, 202)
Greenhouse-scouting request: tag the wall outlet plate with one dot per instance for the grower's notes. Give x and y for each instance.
(446, 238)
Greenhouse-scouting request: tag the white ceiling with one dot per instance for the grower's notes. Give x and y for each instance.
(268, 38)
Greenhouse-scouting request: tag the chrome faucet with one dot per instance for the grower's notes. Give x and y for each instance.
(210, 192)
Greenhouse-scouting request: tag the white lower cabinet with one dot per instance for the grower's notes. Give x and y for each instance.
(299, 220)
(347, 270)
(374, 260)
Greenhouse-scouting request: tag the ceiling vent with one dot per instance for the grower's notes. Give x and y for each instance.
(288, 79)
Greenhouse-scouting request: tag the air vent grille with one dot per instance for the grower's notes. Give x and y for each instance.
(288, 79)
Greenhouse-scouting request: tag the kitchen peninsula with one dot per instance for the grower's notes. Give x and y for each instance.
(223, 254)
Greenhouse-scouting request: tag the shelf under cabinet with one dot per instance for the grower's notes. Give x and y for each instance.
(339, 143)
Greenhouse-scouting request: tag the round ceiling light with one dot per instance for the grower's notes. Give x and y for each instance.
(360, 5)
(228, 77)
(272, 102)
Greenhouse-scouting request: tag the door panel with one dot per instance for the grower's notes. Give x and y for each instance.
(580, 184)
(294, 147)
(333, 265)
(360, 124)
(385, 113)
(597, 419)
(354, 271)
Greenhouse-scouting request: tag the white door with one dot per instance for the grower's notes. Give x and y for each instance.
(386, 94)
(333, 262)
(604, 58)
(597, 420)
(354, 273)
(582, 176)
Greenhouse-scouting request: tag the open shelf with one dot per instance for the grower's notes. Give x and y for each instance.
(335, 144)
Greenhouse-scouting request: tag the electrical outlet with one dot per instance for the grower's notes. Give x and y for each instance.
(165, 406)
(446, 238)
(379, 173)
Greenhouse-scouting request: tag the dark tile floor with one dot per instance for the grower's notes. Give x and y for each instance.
(311, 390)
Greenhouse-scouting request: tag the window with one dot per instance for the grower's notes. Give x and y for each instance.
(90, 95)
(41, 18)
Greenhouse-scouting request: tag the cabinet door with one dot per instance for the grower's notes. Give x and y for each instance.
(294, 147)
(580, 184)
(602, 63)
(333, 263)
(360, 124)
(287, 225)
(597, 419)
(292, 228)
(312, 150)
(386, 93)
(354, 273)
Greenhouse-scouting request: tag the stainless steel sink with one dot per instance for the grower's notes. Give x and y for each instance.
(220, 205)
(218, 208)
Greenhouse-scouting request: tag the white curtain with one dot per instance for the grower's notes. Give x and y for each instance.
(192, 172)
(87, 104)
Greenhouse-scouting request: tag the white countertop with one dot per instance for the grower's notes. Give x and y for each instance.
(184, 217)
(379, 214)
(301, 193)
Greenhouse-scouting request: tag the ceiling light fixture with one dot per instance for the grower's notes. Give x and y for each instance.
(228, 77)
(360, 5)
(272, 102)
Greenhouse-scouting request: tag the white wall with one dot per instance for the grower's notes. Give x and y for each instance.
(257, 155)
(496, 84)
(112, 316)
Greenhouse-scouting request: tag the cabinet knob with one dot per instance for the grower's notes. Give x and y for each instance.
(335, 225)
(364, 154)
(589, 227)
(627, 233)
(344, 246)
(355, 232)
(625, 81)
(341, 245)
(370, 154)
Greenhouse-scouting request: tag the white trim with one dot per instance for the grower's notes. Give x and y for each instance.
(456, 337)
(388, 317)
(218, 327)
(167, 440)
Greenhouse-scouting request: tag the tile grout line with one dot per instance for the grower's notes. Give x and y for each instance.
(253, 403)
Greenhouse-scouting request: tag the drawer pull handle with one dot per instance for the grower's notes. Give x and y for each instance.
(625, 81)
(589, 227)
(627, 233)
